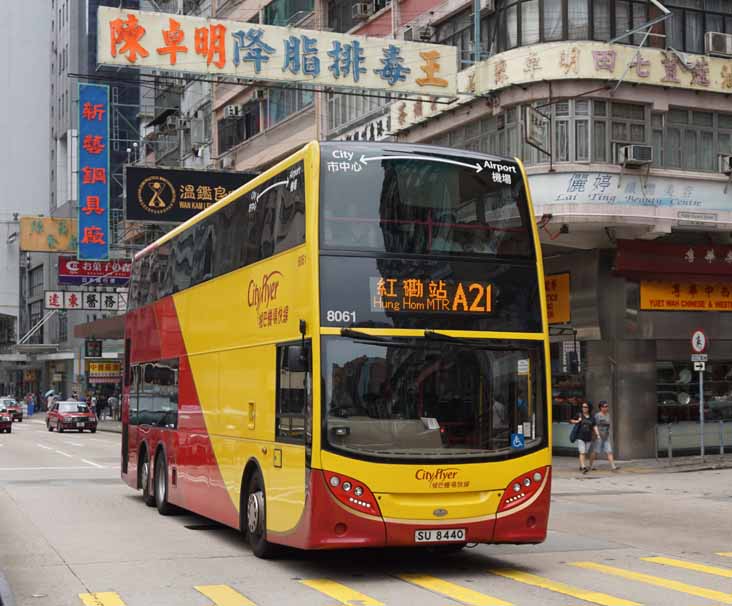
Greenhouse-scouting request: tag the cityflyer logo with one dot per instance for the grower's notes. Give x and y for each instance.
(439, 474)
(265, 292)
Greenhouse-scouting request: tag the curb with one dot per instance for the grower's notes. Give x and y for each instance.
(109, 430)
(6, 596)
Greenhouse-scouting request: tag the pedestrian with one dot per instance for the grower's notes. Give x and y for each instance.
(604, 443)
(585, 433)
(113, 403)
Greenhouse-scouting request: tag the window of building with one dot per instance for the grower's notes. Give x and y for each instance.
(35, 315)
(287, 12)
(233, 131)
(677, 391)
(345, 109)
(284, 102)
(294, 393)
(36, 282)
(340, 13)
(63, 327)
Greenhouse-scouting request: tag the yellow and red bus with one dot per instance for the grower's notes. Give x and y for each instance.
(350, 350)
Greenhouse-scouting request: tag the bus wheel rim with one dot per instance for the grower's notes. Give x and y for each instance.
(145, 474)
(255, 512)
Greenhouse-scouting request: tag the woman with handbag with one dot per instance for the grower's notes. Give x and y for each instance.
(584, 431)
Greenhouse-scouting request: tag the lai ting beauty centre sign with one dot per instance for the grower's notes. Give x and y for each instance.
(273, 54)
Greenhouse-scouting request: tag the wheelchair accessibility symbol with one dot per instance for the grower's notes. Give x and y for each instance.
(517, 440)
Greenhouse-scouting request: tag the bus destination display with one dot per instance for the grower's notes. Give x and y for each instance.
(415, 295)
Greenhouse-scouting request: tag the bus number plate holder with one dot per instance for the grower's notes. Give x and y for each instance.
(448, 535)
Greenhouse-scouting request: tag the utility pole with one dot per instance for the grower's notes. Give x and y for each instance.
(395, 19)
(476, 32)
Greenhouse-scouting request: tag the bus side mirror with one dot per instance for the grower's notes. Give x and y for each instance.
(297, 358)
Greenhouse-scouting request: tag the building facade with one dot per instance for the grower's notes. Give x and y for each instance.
(627, 141)
(25, 122)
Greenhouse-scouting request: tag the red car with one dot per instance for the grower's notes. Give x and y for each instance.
(13, 407)
(71, 415)
(6, 419)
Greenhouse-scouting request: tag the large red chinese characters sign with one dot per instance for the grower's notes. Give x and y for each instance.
(93, 238)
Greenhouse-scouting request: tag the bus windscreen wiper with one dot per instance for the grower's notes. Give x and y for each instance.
(364, 336)
(483, 343)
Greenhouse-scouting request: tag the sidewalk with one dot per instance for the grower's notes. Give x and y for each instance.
(568, 467)
(109, 426)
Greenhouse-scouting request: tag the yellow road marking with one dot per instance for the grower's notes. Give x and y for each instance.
(223, 595)
(726, 554)
(701, 592)
(576, 592)
(105, 598)
(720, 572)
(345, 595)
(451, 590)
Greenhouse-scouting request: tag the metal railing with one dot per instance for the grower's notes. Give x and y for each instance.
(675, 440)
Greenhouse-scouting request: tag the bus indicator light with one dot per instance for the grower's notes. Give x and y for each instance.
(352, 493)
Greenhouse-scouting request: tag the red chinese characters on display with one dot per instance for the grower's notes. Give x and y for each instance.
(173, 38)
(93, 175)
(125, 38)
(92, 205)
(210, 42)
(93, 112)
(93, 144)
(93, 235)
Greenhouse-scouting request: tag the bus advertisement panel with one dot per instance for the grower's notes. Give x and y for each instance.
(351, 350)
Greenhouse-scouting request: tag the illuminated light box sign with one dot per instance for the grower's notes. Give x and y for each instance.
(557, 298)
(413, 295)
(273, 54)
(95, 273)
(685, 296)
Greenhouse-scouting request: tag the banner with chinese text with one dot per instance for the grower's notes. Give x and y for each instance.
(48, 234)
(557, 298)
(93, 172)
(115, 272)
(685, 296)
(168, 195)
(275, 54)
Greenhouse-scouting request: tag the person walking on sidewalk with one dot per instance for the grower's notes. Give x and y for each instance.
(586, 432)
(604, 443)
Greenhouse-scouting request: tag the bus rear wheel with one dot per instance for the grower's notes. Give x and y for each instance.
(161, 486)
(147, 496)
(255, 518)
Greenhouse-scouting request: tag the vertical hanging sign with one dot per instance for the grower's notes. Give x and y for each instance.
(93, 172)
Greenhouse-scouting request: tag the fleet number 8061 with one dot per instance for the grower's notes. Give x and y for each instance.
(337, 315)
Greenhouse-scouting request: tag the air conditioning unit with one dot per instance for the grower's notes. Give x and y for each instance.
(227, 161)
(183, 124)
(261, 94)
(233, 111)
(635, 155)
(171, 123)
(425, 33)
(725, 164)
(408, 33)
(488, 6)
(718, 44)
(361, 11)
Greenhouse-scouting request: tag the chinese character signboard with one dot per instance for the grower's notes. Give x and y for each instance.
(276, 54)
(115, 272)
(639, 258)
(86, 300)
(92, 348)
(164, 195)
(104, 372)
(93, 172)
(557, 298)
(673, 295)
(46, 234)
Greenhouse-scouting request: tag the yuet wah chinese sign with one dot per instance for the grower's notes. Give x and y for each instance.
(93, 172)
(672, 295)
(48, 234)
(273, 54)
(167, 195)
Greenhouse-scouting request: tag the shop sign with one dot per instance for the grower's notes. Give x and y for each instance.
(174, 196)
(29, 376)
(182, 43)
(637, 256)
(47, 234)
(93, 348)
(104, 372)
(557, 298)
(376, 129)
(94, 175)
(685, 296)
(115, 272)
(85, 300)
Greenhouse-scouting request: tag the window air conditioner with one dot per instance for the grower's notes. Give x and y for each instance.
(183, 124)
(635, 155)
(171, 123)
(361, 11)
(233, 111)
(261, 94)
(227, 162)
(425, 33)
(725, 164)
(488, 6)
(718, 44)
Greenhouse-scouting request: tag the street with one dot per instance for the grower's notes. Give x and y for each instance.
(69, 528)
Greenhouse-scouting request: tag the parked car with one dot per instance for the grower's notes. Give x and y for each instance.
(6, 419)
(14, 408)
(71, 415)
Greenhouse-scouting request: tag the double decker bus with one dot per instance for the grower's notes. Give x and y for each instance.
(350, 350)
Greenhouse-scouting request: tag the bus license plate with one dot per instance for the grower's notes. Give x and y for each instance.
(448, 535)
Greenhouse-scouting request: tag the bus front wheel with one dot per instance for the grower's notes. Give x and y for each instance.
(255, 520)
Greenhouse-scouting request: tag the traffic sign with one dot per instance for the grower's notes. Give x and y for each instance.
(699, 366)
(699, 358)
(517, 440)
(698, 341)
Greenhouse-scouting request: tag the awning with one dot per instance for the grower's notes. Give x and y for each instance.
(62, 355)
(161, 117)
(106, 328)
